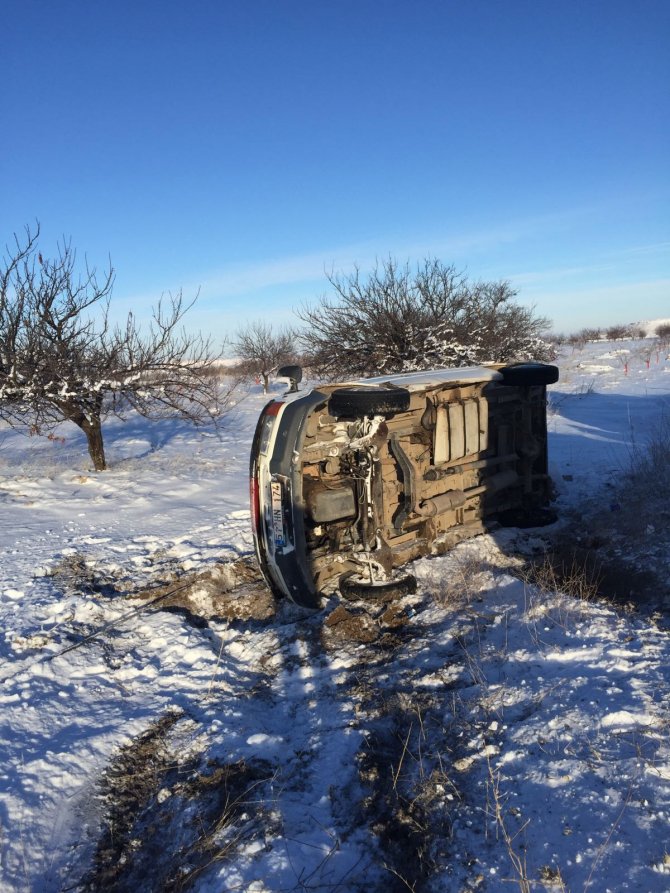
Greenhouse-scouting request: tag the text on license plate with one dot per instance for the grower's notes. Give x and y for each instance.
(277, 514)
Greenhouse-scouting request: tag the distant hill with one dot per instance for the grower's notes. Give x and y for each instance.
(650, 325)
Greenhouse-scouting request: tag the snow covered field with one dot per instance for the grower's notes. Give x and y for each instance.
(483, 734)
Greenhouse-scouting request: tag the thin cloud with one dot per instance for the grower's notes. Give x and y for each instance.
(602, 304)
(237, 280)
(654, 248)
(611, 263)
(242, 279)
(654, 287)
(538, 276)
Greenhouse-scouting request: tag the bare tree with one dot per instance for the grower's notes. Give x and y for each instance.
(590, 334)
(557, 339)
(61, 358)
(620, 332)
(400, 319)
(578, 340)
(261, 349)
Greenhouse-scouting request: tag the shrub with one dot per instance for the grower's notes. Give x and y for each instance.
(399, 319)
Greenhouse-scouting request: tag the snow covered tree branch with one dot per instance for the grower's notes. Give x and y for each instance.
(62, 360)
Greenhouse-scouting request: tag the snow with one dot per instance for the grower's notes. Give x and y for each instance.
(479, 724)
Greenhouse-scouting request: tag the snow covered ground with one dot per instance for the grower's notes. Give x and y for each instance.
(165, 726)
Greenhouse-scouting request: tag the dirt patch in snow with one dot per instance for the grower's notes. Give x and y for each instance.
(229, 591)
(74, 573)
(366, 624)
(345, 624)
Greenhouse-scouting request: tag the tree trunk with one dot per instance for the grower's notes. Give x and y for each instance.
(266, 382)
(96, 450)
(91, 424)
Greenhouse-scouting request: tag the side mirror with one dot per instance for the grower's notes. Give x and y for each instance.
(294, 375)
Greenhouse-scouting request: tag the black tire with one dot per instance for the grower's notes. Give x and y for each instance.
(353, 588)
(358, 401)
(529, 374)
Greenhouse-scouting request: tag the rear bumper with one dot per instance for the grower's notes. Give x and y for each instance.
(284, 565)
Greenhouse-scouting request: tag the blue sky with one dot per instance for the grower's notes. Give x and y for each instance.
(247, 148)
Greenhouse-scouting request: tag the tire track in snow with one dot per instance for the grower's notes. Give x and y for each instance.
(305, 727)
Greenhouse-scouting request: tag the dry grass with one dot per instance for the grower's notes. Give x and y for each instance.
(571, 571)
(647, 476)
(467, 576)
(496, 806)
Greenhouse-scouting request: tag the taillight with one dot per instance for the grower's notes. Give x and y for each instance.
(254, 500)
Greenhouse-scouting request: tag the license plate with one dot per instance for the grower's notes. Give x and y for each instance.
(277, 514)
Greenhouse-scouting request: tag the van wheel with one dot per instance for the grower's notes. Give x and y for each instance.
(356, 402)
(529, 374)
(354, 587)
